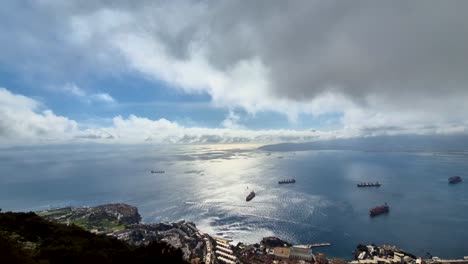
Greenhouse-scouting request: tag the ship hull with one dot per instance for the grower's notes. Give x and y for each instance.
(385, 209)
(289, 182)
(377, 214)
(250, 197)
(369, 184)
(455, 180)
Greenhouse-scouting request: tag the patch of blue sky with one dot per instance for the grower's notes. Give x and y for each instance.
(274, 120)
(12, 81)
(135, 95)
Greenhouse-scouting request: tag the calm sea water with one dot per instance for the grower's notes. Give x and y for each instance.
(208, 185)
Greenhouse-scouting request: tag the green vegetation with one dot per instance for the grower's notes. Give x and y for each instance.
(28, 238)
(100, 225)
(107, 217)
(55, 213)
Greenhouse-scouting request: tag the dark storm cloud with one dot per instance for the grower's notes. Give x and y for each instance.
(405, 63)
(359, 48)
(396, 49)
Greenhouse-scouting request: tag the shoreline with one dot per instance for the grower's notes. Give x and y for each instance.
(123, 222)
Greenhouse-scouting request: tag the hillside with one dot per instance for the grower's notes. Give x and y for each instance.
(102, 218)
(28, 238)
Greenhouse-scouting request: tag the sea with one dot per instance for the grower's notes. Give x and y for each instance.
(208, 184)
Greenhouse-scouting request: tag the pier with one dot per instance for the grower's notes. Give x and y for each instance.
(315, 245)
(320, 245)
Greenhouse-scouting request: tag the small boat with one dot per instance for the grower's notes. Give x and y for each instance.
(157, 171)
(454, 179)
(287, 181)
(369, 184)
(250, 196)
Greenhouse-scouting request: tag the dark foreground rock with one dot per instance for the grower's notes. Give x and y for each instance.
(28, 238)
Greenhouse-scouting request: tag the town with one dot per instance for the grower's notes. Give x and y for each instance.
(123, 222)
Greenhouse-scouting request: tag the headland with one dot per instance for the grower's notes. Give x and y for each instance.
(123, 222)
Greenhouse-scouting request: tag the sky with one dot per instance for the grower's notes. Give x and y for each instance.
(207, 71)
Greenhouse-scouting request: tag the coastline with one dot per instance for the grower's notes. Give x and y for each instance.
(123, 222)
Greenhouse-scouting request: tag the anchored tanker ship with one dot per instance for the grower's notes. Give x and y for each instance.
(287, 181)
(379, 210)
(454, 179)
(369, 184)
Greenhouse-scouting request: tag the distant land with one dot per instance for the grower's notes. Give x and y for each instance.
(185, 243)
(411, 143)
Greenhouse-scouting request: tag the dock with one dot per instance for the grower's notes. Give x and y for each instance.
(314, 245)
(320, 245)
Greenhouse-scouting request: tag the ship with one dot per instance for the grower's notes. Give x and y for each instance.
(369, 184)
(250, 196)
(157, 171)
(287, 181)
(379, 210)
(454, 179)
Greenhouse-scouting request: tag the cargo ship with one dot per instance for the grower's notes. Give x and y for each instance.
(287, 181)
(250, 196)
(379, 210)
(454, 179)
(369, 184)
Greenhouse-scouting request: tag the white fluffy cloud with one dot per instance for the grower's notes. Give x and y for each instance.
(232, 121)
(394, 67)
(138, 129)
(24, 120)
(88, 97)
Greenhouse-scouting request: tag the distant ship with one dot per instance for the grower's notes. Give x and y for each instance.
(454, 179)
(157, 171)
(250, 196)
(287, 181)
(369, 184)
(379, 210)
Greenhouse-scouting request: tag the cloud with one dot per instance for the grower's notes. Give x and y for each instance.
(138, 129)
(74, 90)
(88, 97)
(399, 65)
(24, 120)
(232, 121)
(287, 57)
(103, 97)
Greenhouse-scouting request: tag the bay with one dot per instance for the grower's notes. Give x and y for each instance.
(207, 184)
